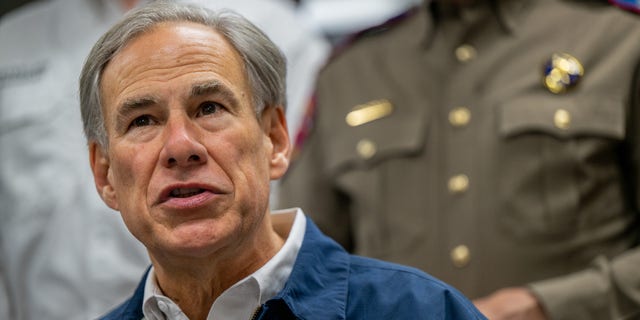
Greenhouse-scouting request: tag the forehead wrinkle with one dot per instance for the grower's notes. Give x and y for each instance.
(163, 72)
(191, 54)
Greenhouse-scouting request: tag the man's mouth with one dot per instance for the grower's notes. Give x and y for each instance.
(187, 196)
(185, 192)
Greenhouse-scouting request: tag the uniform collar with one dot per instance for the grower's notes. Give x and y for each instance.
(508, 13)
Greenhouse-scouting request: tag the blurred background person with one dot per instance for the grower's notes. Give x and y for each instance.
(493, 144)
(63, 254)
(338, 19)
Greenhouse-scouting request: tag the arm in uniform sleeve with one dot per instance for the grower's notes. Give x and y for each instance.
(609, 288)
(310, 186)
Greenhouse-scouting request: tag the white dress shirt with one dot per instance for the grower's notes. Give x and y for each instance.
(242, 299)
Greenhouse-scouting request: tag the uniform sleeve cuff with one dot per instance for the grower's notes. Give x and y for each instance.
(581, 295)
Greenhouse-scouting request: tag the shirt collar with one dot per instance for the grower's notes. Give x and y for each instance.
(243, 298)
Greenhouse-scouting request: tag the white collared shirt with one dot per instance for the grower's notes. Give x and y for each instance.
(243, 298)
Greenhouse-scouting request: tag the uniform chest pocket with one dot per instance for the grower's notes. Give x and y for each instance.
(368, 161)
(554, 152)
(366, 145)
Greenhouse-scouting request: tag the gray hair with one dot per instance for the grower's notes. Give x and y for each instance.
(264, 63)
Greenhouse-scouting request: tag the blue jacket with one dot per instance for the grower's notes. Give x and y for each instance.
(328, 283)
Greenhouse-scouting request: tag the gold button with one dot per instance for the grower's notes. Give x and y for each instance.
(459, 117)
(366, 148)
(460, 256)
(562, 119)
(465, 53)
(458, 183)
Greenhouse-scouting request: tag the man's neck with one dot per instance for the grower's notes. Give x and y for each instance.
(195, 284)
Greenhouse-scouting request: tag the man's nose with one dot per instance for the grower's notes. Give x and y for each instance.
(182, 146)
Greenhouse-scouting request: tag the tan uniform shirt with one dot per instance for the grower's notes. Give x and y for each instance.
(462, 163)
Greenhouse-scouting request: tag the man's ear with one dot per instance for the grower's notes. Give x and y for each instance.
(101, 168)
(275, 124)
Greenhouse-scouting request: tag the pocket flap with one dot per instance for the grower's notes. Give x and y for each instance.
(563, 117)
(399, 134)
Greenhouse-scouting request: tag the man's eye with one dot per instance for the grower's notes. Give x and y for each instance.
(141, 121)
(209, 107)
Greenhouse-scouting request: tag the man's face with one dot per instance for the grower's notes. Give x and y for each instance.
(189, 163)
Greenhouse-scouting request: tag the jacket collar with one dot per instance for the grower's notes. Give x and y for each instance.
(318, 285)
(132, 308)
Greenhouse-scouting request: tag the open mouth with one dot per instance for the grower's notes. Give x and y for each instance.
(187, 195)
(185, 192)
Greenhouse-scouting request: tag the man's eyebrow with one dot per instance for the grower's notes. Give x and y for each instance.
(214, 87)
(130, 106)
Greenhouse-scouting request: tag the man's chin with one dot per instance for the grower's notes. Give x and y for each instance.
(197, 240)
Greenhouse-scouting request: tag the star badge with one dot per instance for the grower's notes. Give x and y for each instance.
(562, 72)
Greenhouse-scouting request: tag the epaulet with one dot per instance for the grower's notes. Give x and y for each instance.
(629, 5)
(353, 38)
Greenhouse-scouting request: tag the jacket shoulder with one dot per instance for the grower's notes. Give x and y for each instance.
(379, 289)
